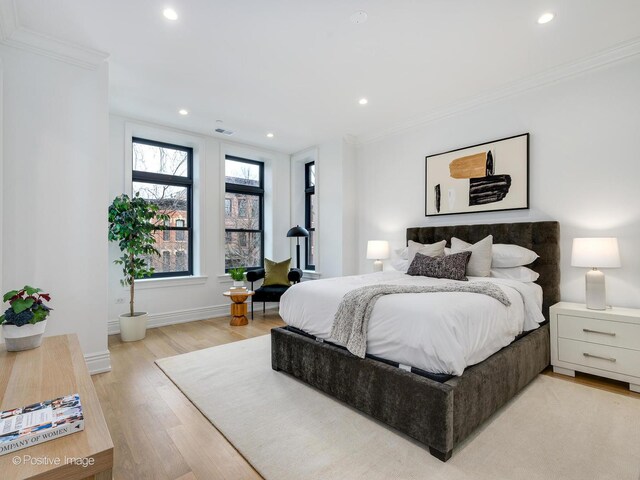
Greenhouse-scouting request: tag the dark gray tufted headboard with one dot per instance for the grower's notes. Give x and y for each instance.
(541, 237)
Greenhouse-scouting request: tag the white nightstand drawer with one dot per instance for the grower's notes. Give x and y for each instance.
(604, 332)
(612, 359)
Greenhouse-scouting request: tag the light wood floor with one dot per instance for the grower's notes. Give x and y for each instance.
(158, 434)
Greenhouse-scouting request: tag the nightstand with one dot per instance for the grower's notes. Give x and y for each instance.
(599, 342)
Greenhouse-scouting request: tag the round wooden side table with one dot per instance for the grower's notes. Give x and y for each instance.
(238, 307)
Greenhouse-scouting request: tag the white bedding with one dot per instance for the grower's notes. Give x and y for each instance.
(437, 332)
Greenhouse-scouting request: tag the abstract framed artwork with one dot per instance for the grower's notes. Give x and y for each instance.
(488, 177)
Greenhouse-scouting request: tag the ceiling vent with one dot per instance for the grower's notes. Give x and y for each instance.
(224, 132)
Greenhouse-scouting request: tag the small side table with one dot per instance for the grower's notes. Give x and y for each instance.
(238, 307)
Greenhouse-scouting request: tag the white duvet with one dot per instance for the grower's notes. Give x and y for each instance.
(436, 332)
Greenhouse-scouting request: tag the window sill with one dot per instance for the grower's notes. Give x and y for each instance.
(310, 275)
(149, 283)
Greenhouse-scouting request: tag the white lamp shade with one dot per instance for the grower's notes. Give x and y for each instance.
(377, 249)
(595, 253)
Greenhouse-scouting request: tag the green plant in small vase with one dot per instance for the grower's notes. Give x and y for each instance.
(24, 322)
(132, 223)
(237, 274)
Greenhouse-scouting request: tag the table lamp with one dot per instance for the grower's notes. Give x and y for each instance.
(593, 253)
(297, 232)
(377, 250)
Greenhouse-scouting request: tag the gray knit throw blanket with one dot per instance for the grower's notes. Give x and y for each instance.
(352, 318)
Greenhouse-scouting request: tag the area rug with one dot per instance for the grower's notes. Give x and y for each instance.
(287, 430)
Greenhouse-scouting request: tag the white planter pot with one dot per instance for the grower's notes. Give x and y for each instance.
(238, 284)
(25, 337)
(133, 328)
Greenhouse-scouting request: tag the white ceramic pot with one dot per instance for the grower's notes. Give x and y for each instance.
(238, 283)
(133, 328)
(25, 337)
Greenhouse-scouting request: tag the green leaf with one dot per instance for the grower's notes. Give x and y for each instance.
(31, 290)
(39, 315)
(1, 319)
(9, 295)
(19, 305)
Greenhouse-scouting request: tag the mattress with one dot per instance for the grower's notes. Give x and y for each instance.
(442, 333)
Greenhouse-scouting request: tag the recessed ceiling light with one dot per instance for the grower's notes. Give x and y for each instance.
(170, 14)
(358, 17)
(363, 101)
(270, 135)
(545, 18)
(182, 111)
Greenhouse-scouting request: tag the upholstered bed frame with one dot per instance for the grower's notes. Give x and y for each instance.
(440, 415)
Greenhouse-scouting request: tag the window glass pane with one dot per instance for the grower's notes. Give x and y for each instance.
(174, 257)
(172, 200)
(311, 175)
(311, 251)
(312, 219)
(243, 249)
(245, 211)
(242, 173)
(227, 206)
(155, 159)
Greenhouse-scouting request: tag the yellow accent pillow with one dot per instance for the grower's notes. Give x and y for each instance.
(276, 273)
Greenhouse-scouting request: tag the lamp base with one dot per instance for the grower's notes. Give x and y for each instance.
(377, 266)
(596, 294)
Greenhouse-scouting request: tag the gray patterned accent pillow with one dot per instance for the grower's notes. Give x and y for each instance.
(450, 266)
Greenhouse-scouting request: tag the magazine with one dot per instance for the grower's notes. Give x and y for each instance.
(40, 422)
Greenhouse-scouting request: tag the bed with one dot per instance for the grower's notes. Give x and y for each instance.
(439, 411)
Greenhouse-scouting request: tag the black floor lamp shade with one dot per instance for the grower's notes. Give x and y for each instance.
(298, 232)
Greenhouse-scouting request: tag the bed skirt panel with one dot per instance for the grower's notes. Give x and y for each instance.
(398, 398)
(439, 415)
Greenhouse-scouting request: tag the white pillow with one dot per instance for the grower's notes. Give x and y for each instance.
(400, 264)
(429, 249)
(480, 261)
(506, 255)
(522, 274)
(403, 253)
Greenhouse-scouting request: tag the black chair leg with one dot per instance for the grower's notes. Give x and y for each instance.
(264, 304)
(251, 308)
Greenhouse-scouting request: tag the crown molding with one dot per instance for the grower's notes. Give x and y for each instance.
(8, 18)
(15, 35)
(618, 53)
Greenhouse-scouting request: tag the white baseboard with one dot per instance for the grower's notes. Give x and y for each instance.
(98, 362)
(183, 316)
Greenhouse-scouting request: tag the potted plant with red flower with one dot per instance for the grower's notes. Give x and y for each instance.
(24, 322)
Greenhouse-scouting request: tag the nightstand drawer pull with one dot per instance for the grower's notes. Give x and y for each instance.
(587, 330)
(608, 359)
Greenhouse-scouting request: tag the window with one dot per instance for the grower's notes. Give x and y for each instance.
(180, 233)
(310, 207)
(244, 234)
(162, 174)
(166, 234)
(242, 207)
(166, 261)
(227, 207)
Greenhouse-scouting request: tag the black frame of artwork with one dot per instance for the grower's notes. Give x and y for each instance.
(427, 197)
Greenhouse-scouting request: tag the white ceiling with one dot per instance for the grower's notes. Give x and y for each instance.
(298, 67)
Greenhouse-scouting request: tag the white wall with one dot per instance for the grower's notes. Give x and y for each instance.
(335, 188)
(584, 170)
(54, 190)
(177, 300)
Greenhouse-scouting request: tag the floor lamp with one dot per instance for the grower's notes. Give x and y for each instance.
(298, 232)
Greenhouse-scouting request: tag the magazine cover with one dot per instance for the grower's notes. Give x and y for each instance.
(40, 422)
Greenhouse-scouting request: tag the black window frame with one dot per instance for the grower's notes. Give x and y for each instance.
(309, 190)
(251, 190)
(174, 181)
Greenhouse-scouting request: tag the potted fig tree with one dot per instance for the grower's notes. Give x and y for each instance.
(24, 322)
(132, 223)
